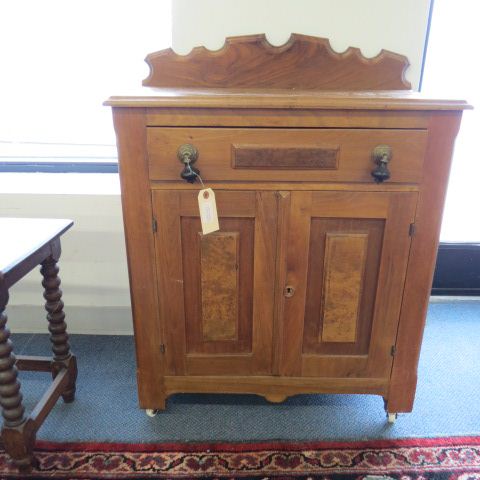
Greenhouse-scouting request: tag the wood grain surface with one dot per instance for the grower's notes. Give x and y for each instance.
(421, 261)
(292, 158)
(226, 99)
(22, 239)
(333, 281)
(219, 285)
(345, 256)
(137, 217)
(397, 211)
(216, 147)
(321, 228)
(274, 385)
(303, 62)
(218, 343)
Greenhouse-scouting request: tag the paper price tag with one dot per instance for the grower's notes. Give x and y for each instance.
(208, 211)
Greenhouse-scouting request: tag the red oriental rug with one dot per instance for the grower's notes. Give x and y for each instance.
(455, 458)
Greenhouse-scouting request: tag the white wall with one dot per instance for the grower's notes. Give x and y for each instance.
(93, 266)
(371, 25)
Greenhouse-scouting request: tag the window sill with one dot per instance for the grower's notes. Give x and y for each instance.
(60, 183)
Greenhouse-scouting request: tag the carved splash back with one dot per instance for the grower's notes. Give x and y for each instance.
(304, 62)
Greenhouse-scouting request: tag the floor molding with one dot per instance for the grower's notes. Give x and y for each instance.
(457, 272)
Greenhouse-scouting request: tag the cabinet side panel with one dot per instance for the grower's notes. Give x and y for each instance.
(137, 216)
(442, 131)
(168, 246)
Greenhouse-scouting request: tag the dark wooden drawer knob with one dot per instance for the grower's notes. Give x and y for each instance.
(188, 154)
(382, 154)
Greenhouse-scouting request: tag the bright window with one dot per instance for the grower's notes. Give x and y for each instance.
(452, 69)
(60, 59)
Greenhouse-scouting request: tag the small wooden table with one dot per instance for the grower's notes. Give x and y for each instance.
(24, 244)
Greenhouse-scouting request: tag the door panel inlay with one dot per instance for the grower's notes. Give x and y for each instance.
(219, 285)
(343, 268)
(343, 274)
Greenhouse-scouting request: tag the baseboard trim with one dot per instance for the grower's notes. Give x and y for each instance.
(457, 271)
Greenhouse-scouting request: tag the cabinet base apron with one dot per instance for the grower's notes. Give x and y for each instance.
(274, 389)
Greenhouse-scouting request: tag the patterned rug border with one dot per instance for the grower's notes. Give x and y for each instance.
(281, 445)
(440, 458)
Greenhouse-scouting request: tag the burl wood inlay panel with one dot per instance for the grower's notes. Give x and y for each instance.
(294, 157)
(219, 285)
(244, 228)
(320, 229)
(345, 256)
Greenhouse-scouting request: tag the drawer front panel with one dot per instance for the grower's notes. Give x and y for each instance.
(243, 154)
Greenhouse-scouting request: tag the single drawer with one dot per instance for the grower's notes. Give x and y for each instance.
(279, 154)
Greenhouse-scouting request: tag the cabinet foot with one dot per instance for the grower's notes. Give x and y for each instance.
(275, 398)
(392, 417)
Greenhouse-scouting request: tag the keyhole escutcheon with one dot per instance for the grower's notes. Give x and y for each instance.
(289, 291)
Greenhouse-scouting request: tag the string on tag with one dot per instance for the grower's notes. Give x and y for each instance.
(196, 174)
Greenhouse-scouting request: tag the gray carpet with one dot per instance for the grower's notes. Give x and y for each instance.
(447, 402)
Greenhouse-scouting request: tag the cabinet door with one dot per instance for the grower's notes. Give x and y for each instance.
(216, 291)
(346, 257)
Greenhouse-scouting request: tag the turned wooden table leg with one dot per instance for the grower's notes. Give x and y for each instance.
(18, 433)
(62, 356)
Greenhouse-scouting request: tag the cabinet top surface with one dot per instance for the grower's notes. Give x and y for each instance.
(283, 98)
